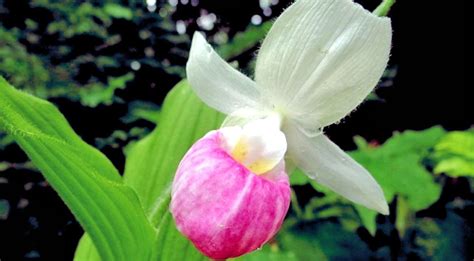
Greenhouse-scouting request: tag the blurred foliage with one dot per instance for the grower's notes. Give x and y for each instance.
(244, 41)
(125, 56)
(454, 154)
(4, 205)
(401, 156)
(85, 51)
(402, 167)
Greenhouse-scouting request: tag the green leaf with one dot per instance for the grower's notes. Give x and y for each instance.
(397, 167)
(83, 177)
(86, 250)
(269, 252)
(446, 239)
(151, 165)
(99, 94)
(141, 110)
(367, 218)
(118, 11)
(244, 41)
(297, 177)
(152, 162)
(455, 154)
(322, 241)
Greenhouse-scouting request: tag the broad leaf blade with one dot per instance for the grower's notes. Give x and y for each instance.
(152, 162)
(151, 165)
(84, 178)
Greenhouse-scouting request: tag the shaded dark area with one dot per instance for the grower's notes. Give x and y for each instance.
(427, 90)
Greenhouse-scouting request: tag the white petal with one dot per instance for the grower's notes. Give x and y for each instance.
(243, 116)
(266, 145)
(218, 84)
(322, 58)
(325, 162)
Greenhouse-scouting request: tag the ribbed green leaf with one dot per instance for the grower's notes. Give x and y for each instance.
(83, 177)
(152, 162)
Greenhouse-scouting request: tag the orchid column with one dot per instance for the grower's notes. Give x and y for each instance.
(317, 64)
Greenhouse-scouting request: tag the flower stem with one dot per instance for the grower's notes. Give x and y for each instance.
(384, 8)
(294, 204)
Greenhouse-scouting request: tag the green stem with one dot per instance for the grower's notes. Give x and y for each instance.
(384, 8)
(294, 204)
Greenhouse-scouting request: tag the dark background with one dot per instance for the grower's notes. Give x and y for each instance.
(428, 90)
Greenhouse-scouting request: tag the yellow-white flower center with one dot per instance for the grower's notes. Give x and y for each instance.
(259, 144)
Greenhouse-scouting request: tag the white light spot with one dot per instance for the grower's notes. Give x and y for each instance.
(206, 21)
(151, 2)
(151, 8)
(267, 11)
(221, 38)
(194, 2)
(265, 3)
(256, 19)
(184, 2)
(173, 2)
(180, 27)
(135, 65)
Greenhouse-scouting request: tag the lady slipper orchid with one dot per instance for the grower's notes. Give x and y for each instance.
(318, 62)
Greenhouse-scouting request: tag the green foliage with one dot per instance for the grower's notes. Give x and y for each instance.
(270, 252)
(141, 110)
(454, 154)
(321, 241)
(5, 140)
(152, 162)
(397, 167)
(443, 239)
(97, 94)
(84, 178)
(118, 11)
(21, 67)
(244, 41)
(80, 18)
(321, 226)
(4, 206)
(73, 49)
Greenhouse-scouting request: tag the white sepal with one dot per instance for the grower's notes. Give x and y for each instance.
(321, 59)
(325, 162)
(218, 84)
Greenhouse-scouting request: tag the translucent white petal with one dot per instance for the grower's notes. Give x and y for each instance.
(325, 162)
(218, 84)
(243, 116)
(322, 58)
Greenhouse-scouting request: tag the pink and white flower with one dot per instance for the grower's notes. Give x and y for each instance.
(316, 65)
